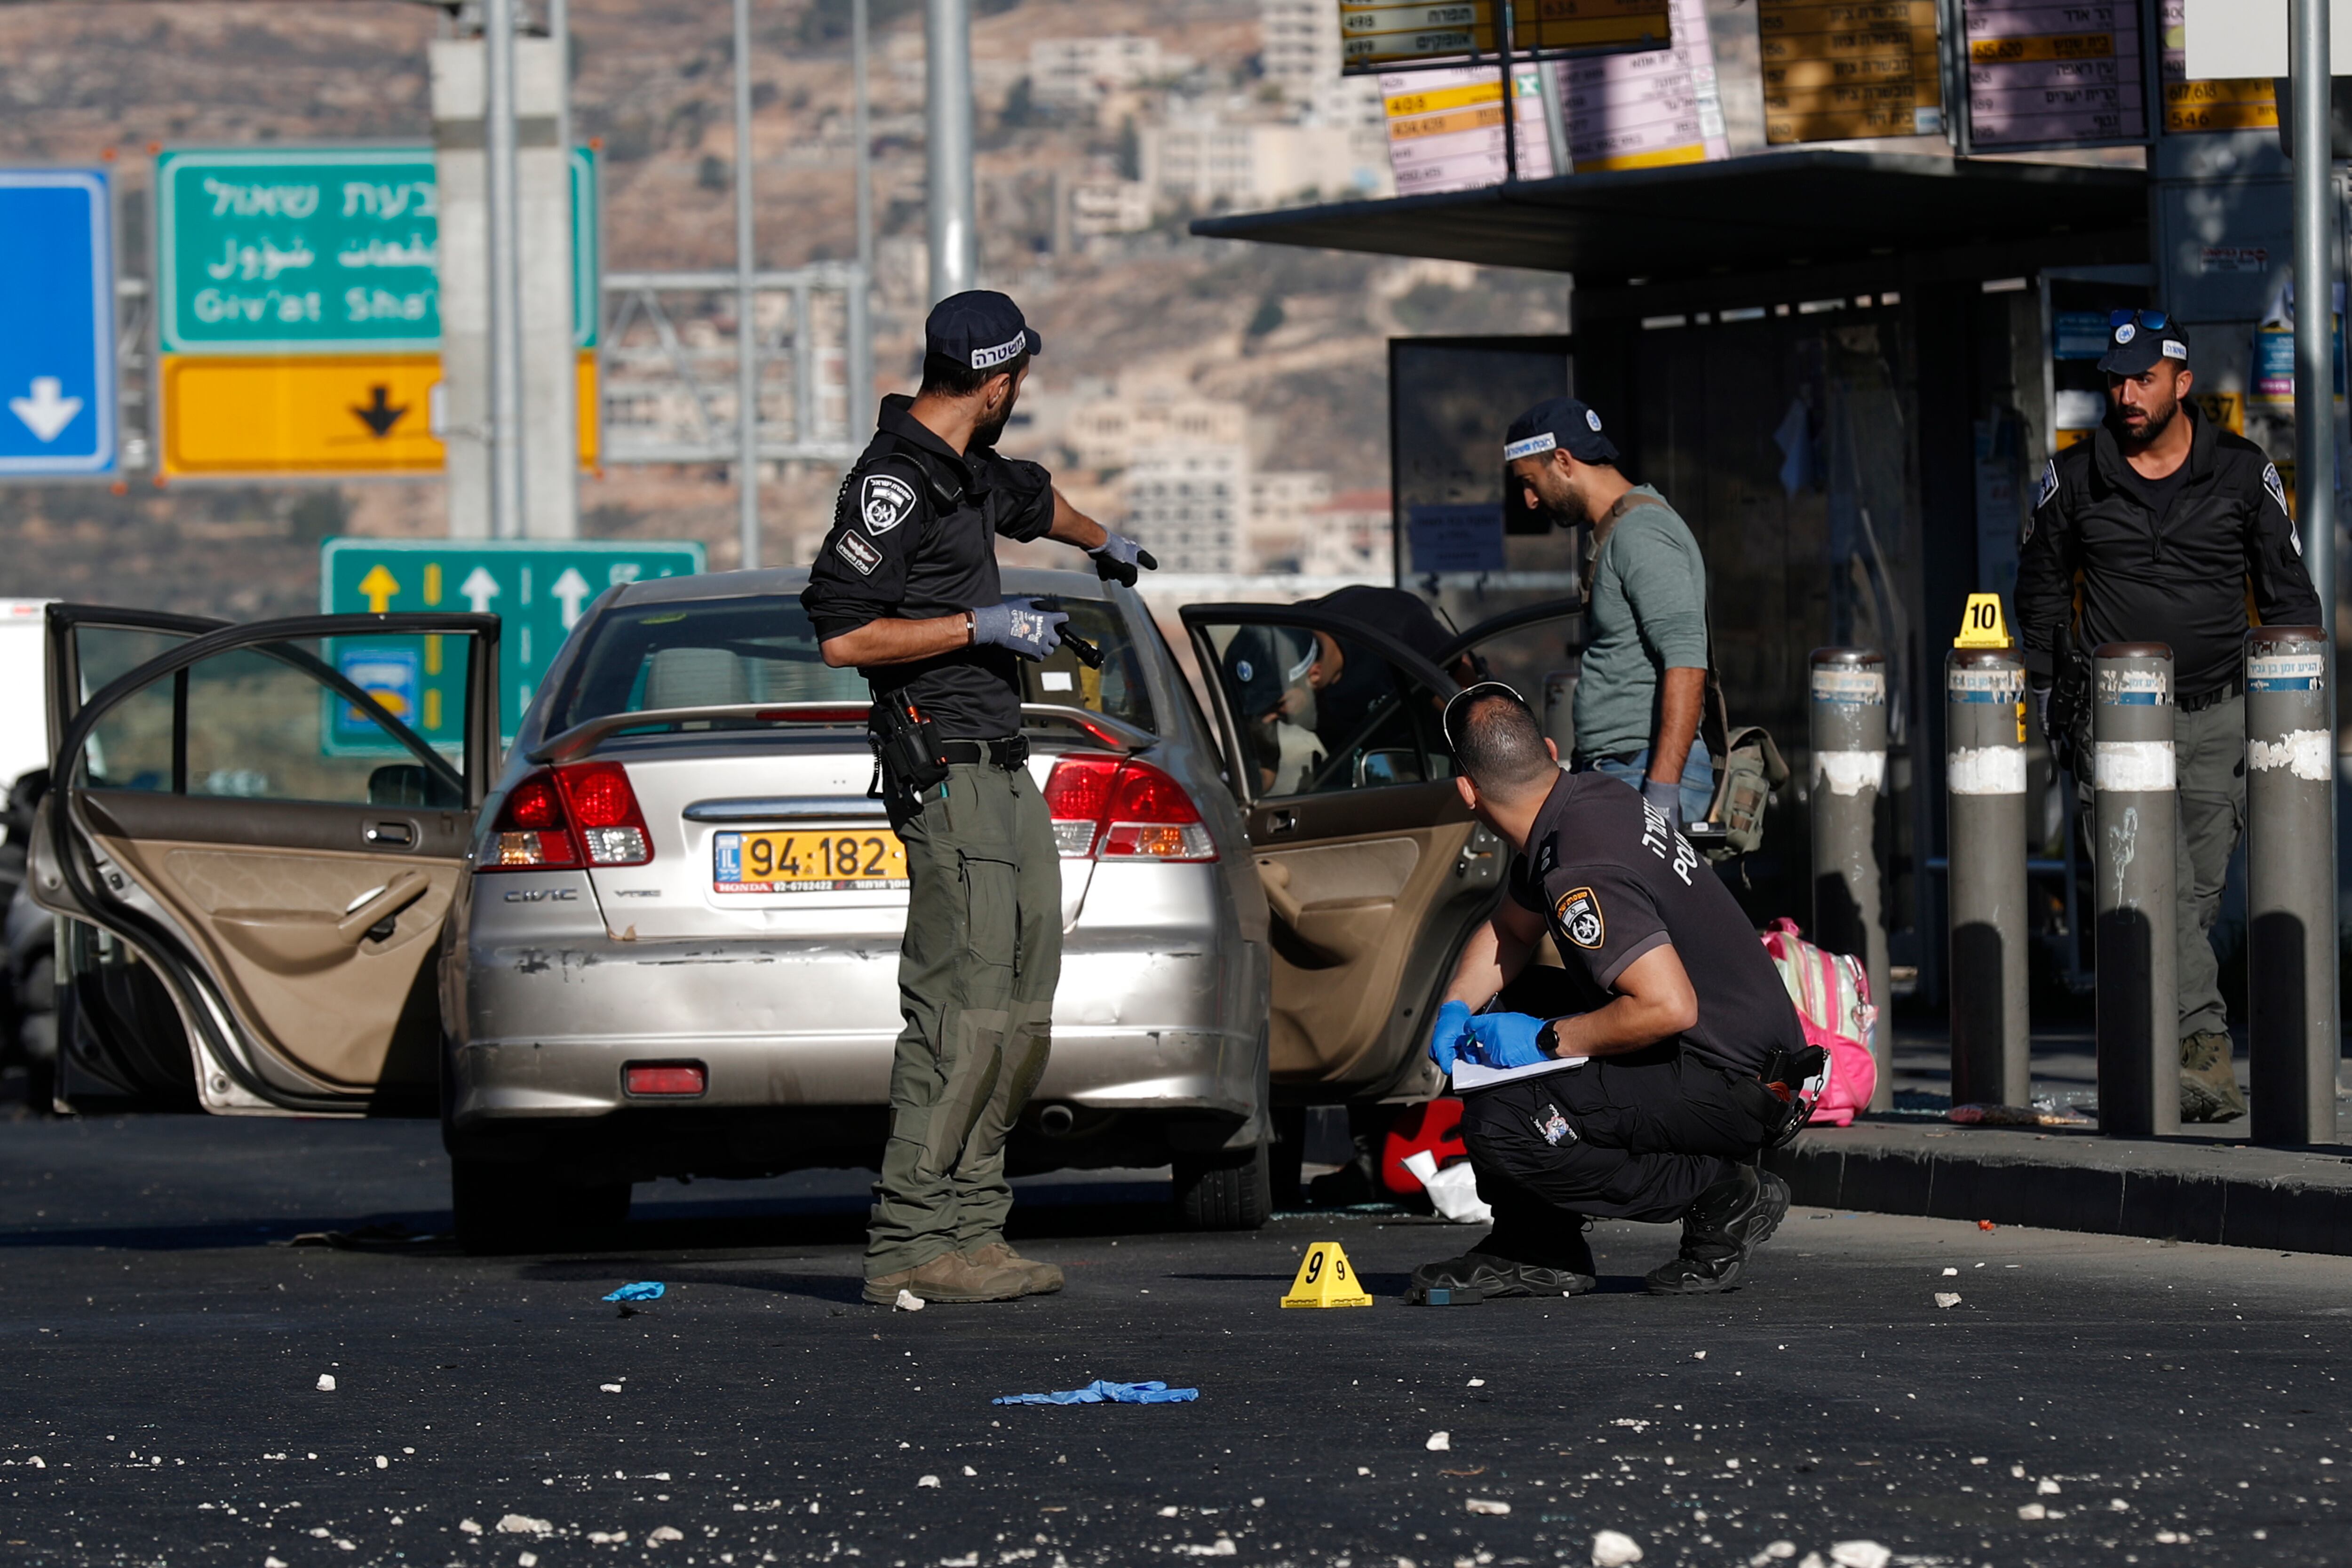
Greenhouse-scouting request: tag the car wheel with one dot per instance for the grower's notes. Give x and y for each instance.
(1226, 1191)
(502, 1207)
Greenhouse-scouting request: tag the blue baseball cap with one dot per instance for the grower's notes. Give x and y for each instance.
(980, 327)
(1560, 424)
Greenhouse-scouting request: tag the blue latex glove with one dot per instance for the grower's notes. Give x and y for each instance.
(1506, 1040)
(1020, 624)
(1445, 1038)
(1101, 1393)
(1666, 795)
(1118, 556)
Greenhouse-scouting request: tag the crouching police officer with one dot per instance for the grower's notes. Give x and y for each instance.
(1661, 1063)
(906, 589)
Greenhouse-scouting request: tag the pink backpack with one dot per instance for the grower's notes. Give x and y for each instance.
(1832, 991)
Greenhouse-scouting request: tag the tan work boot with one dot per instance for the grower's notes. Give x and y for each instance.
(949, 1278)
(1037, 1278)
(2209, 1078)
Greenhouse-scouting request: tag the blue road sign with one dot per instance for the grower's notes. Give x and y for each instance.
(56, 345)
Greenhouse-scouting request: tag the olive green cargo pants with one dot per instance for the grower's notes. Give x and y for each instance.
(976, 976)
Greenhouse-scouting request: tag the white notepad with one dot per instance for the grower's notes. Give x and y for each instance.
(1469, 1074)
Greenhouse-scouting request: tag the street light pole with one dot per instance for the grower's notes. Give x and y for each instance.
(859, 373)
(946, 63)
(747, 331)
(2315, 295)
(506, 272)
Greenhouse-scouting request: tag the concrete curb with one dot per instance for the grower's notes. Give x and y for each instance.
(2181, 1190)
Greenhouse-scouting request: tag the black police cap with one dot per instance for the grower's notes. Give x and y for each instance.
(1560, 423)
(981, 329)
(2139, 341)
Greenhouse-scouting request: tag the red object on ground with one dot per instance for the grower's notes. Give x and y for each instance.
(1436, 1127)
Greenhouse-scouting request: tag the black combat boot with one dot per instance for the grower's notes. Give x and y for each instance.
(1566, 1269)
(1730, 1221)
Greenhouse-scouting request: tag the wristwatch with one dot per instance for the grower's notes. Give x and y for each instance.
(1547, 1038)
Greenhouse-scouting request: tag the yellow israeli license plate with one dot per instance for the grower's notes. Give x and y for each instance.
(808, 860)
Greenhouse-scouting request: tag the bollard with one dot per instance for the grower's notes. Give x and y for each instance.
(2136, 823)
(1849, 743)
(1984, 772)
(2291, 995)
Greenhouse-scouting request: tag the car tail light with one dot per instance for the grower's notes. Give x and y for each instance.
(605, 809)
(1076, 791)
(532, 831)
(1106, 807)
(666, 1078)
(566, 816)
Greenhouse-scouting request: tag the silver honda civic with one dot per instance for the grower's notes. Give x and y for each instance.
(676, 949)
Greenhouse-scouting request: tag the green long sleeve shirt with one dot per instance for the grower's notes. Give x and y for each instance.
(1647, 614)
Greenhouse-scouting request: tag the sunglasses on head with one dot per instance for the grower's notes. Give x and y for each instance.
(2149, 321)
(1458, 708)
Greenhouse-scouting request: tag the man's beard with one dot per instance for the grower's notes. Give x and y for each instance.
(2155, 425)
(988, 435)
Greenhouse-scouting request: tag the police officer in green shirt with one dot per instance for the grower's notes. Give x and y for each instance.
(905, 588)
(1644, 681)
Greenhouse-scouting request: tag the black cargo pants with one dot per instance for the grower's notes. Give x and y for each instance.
(1631, 1137)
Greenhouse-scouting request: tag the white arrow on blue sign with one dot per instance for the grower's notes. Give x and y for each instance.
(56, 352)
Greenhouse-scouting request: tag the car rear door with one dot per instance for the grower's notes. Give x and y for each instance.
(1374, 870)
(267, 823)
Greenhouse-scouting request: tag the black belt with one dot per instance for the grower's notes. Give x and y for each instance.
(1011, 753)
(2233, 687)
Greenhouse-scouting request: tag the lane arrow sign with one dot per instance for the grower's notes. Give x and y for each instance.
(478, 589)
(46, 414)
(379, 585)
(570, 591)
(377, 416)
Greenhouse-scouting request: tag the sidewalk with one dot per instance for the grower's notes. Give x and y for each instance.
(2206, 1185)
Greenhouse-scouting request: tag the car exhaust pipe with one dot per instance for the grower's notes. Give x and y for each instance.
(1055, 1121)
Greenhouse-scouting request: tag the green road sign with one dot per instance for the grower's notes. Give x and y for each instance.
(537, 588)
(321, 250)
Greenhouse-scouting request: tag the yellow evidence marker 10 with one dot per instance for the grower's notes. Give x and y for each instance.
(1325, 1280)
(1981, 624)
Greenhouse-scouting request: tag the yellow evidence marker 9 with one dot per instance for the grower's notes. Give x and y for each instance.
(1325, 1280)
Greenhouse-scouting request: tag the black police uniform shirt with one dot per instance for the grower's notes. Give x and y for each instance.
(1614, 882)
(2178, 576)
(914, 537)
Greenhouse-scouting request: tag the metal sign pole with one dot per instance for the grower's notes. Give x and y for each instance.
(946, 63)
(747, 331)
(2314, 294)
(506, 272)
(1511, 103)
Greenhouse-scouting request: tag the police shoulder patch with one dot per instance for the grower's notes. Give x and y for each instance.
(884, 502)
(860, 556)
(2048, 485)
(2277, 488)
(1578, 914)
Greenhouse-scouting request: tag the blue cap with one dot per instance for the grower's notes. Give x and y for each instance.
(1560, 424)
(979, 328)
(2138, 339)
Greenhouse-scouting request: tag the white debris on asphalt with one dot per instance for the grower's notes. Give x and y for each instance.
(2016, 1472)
(326, 1382)
(523, 1524)
(2046, 1486)
(2032, 1511)
(608, 1388)
(272, 1562)
(468, 1527)
(527, 1560)
(609, 1536)
(1439, 1443)
(970, 1471)
(1951, 1273)
(1778, 1552)
(1612, 1549)
(1224, 1547)
(382, 1462)
(1948, 1297)
(1168, 1510)
(1487, 1505)
(907, 1302)
(928, 1481)
(1859, 1554)
(664, 1532)
(1698, 1355)
(1477, 1383)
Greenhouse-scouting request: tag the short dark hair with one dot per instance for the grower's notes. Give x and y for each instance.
(1497, 744)
(944, 377)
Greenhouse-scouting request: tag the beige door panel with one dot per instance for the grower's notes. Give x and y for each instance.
(1353, 909)
(287, 931)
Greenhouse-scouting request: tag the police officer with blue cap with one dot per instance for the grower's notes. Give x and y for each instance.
(1643, 689)
(905, 588)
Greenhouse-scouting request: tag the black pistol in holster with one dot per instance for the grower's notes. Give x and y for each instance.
(907, 751)
(2070, 692)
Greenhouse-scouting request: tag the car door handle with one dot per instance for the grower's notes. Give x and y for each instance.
(397, 835)
(1277, 822)
(383, 904)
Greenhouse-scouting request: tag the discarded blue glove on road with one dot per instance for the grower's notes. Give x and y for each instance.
(1101, 1393)
(642, 1290)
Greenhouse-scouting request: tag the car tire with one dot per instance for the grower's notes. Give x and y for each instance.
(1227, 1191)
(502, 1207)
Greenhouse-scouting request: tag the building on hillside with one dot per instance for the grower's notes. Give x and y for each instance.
(1109, 206)
(1186, 504)
(1213, 164)
(1350, 535)
(1299, 44)
(1077, 73)
(1280, 503)
(1107, 431)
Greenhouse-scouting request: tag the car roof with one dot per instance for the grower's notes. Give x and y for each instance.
(776, 581)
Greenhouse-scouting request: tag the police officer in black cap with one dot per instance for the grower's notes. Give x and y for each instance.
(906, 589)
(2170, 526)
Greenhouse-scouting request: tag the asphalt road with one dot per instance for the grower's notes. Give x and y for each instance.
(160, 1348)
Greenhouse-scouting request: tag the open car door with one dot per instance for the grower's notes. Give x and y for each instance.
(260, 831)
(1374, 870)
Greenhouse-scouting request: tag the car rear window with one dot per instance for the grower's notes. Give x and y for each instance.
(712, 652)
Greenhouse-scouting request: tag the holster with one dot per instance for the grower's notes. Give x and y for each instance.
(2069, 698)
(907, 749)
